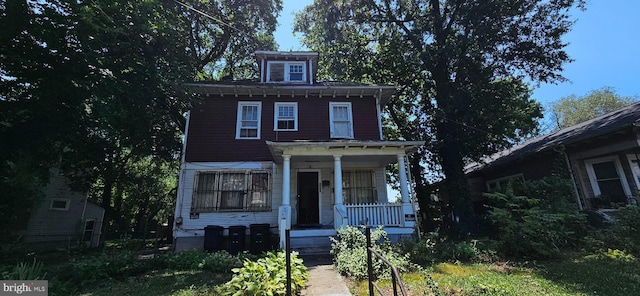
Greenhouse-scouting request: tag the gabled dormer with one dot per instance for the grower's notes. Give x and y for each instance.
(287, 67)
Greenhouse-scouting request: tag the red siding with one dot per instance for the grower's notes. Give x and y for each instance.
(212, 126)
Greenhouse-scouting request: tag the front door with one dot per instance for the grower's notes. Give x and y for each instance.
(308, 212)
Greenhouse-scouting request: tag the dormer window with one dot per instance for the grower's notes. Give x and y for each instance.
(286, 71)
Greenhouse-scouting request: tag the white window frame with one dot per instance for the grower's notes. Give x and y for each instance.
(239, 120)
(515, 177)
(592, 174)
(276, 117)
(332, 121)
(65, 200)
(286, 71)
(631, 158)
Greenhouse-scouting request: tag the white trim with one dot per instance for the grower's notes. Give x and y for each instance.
(636, 177)
(242, 104)
(350, 119)
(66, 205)
(286, 67)
(592, 175)
(295, 116)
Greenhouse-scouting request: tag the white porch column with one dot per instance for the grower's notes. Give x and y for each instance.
(286, 180)
(284, 212)
(404, 190)
(407, 208)
(337, 179)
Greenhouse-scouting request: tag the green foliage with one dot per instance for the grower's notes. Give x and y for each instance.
(572, 110)
(266, 276)
(463, 67)
(538, 223)
(432, 248)
(350, 253)
(198, 260)
(26, 271)
(622, 234)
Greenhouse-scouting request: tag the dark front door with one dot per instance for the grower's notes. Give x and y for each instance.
(308, 212)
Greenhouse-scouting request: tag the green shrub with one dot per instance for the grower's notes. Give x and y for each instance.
(350, 253)
(266, 276)
(624, 233)
(538, 223)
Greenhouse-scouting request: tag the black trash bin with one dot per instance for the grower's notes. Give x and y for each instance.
(260, 238)
(213, 238)
(236, 239)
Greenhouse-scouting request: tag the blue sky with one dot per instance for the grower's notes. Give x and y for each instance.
(605, 44)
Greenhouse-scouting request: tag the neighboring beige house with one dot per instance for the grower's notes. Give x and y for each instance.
(64, 217)
(602, 154)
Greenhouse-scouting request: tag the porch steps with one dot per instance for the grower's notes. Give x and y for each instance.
(312, 241)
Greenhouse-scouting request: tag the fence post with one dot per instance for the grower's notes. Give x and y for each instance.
(288, 259)
(369, 261)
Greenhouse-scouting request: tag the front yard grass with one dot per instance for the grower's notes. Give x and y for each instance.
(576, 276)
(161, 283)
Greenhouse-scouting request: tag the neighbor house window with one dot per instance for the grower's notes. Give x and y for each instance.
(286, 71)
(285, 117)
(59, 204)
(607, 179)
(502, 184)
(231, 191)
(634, 163)
(341, 121)
(359, 187)
(248, 123)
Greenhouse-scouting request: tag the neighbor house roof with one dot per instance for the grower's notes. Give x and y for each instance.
(602, 125)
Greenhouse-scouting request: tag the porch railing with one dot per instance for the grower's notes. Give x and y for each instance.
(375, 214)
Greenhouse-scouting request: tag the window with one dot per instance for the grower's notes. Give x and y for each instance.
(359, 187)
(87, 234)
(59, 204)
(248, 125)
(286, 72)
(501, 184)
(231, 191)
(341, 122)
(607, 179)
(634, 163)
(285, 117)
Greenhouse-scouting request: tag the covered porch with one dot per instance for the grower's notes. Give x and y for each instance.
(326, 186)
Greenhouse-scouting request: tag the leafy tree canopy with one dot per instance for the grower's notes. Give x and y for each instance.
(94, 86)
(461, 65)
(572, 110)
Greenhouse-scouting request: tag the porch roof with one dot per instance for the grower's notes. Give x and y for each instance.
(383, 152)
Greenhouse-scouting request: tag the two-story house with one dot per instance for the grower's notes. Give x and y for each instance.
(290, 152)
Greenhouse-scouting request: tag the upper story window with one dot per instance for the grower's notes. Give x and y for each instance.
(341, 120)
(248, 124)
(59, 204)
(286, 71)
(285, 116)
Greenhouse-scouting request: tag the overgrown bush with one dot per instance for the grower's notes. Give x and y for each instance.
(622, 234)
(266, 276)
(350, 253)
(198, 260)
(540, 221)
(433, 248)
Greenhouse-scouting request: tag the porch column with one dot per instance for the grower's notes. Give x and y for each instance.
(337, 179)
(404, 190)
(286, 180)
(407, 208)
(284, 212)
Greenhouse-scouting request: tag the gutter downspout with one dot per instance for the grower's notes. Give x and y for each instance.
(378, 98)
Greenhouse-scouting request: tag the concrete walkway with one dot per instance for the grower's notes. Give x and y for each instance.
(324, 280)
